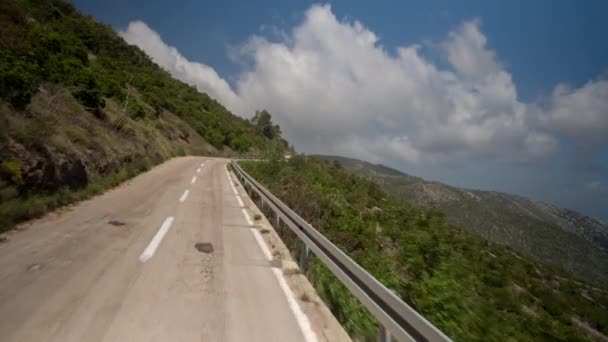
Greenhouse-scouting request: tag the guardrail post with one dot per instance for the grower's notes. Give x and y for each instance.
(384, 335)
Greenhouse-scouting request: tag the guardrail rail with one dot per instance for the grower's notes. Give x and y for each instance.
(398, 320)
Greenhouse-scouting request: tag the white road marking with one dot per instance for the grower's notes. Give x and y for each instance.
(263, 246)
(246, 214)
(241, 204)
(232, 184)
(300, 316)
(184, 196)
(203, 164)
(156, 240)
(198, 170)
(193, 180)
(228, 175)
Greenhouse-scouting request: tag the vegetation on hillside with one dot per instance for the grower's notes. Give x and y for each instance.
(472, 289)
(81, 110)
(552, 235)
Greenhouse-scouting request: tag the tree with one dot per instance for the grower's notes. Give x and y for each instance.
(263, 122)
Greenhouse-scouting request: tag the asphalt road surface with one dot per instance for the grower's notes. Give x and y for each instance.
(167, 256)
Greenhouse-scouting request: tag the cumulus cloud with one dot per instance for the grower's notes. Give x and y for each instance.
(334, 89)
(581, 114)
(197, 74)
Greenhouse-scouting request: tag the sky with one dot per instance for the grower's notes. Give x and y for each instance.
(506, 96)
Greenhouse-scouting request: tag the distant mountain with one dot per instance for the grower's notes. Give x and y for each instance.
(556, 236)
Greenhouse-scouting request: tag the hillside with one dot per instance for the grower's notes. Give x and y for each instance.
(81, 110)
(556, 236)
(472, 289)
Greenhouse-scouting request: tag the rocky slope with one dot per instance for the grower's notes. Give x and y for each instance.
(559, 237)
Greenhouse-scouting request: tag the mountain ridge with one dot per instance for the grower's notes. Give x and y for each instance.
(556, 236)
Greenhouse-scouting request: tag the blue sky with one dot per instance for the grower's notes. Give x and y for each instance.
(518, 73)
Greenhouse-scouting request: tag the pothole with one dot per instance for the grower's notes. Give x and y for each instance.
(34, 267)
(116, 223)
(204, 247)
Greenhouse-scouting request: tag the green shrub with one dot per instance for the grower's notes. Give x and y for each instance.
(460, 282)
(214, 137)
(135, 110)
(18, 80)
(12, 170)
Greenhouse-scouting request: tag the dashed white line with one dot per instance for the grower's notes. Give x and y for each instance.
(184, 196)
(198, 170)
(156, 240)
(203, 164)
(193, 180)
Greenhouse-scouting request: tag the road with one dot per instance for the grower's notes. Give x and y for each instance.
(168, 256)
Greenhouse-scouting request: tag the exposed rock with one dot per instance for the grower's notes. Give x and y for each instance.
(45, 169)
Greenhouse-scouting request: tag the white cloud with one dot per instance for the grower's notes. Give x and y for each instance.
(581, 114)
(196, 74)
(334, 89)
(593, 186)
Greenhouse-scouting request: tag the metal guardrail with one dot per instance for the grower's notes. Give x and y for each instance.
(396, 317)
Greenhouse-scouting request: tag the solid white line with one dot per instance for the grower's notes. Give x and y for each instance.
(260, 240)
(233, 186)
(300, 316)
(238, 198)
(228, 175)
(246, 214)
(184, 196)
(231, 183)
(193, 180)
(151, 249)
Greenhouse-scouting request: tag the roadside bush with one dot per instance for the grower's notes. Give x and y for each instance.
(214, 137)
(11, 169)
(17, 80)
(457, 280)
(135, 110)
